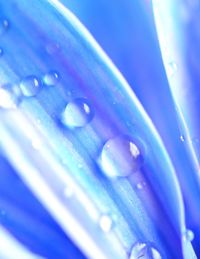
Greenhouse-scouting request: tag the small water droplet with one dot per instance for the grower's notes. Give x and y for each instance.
(144, 251)
(105, 223)
(120, 156)
(77, 113)
(189, 235)
(51, 78)
(9, 96)
(140, 185)
(171, 68)
(182, 138)
(30, 86)
(4, 25)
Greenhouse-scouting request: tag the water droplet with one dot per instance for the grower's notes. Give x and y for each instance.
(171, 68)
(4, 24)
(30, 86)
(140, 185)
(105, 223)
(2, 212)
(144, 251)
(120, 156)
(189, 235)
(51, 78)
(9, 96)
(182, 138)
(77, 113)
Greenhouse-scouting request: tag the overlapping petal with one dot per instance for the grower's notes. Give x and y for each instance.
(67, 119)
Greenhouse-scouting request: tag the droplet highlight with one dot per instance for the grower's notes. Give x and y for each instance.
(120, 157)
(144, 251)
(2, 212)
(30, 86)
(51, 78)
(182, 138)
(171, 68)
(77, 113)
(140, 185)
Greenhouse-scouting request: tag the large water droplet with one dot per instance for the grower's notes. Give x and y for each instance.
(51, 78)
(189, 235)
(9, 96)
(144, 251)
(4, 24)
(120, 156)
(77, 113)
(30, 86)
(105, 223)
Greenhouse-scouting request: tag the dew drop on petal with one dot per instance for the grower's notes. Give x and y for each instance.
(105, 223)
(30, 86)
(182, 138)
(120, 157)
(140, 185)
(51, 78)
(77, 113)
(189, 235)
(144, 251)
